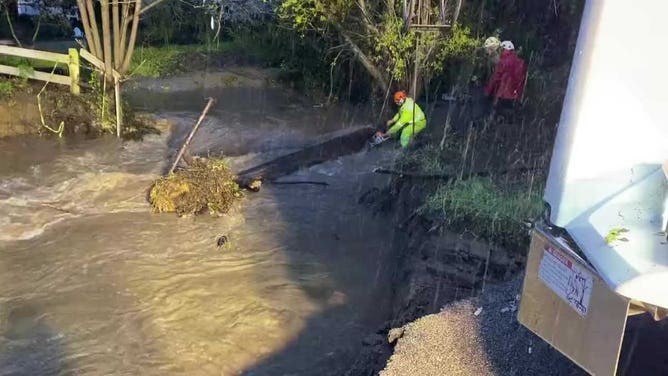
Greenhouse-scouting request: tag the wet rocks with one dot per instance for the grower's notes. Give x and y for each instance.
(395, 334)
(221, 241)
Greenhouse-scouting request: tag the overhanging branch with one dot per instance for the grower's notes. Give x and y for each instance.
(151, 5)
(366, 62)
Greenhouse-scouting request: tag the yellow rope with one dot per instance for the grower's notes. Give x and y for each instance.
(61, 128)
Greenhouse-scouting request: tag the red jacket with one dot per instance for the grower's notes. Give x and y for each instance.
(507, 81)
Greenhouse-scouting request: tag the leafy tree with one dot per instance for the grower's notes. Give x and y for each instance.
(377, 34)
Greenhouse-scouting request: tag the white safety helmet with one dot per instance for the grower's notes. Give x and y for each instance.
(492, 42)
(507, 45)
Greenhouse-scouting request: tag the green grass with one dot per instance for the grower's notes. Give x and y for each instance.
(428, 160)
(6, 88)
(160, 61)
(169, 60)
(481, 207)
(14, 61)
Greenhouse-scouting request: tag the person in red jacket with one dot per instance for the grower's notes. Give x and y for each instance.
(506, 85)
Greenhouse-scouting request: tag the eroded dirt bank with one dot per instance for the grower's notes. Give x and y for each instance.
(440, 282)
(452, 315)
(91, 115)
(20, 111)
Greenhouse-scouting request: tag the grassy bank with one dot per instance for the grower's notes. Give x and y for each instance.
(487, 210)
(474, 197)
(169, 60)
(300, 62)
(252, 48)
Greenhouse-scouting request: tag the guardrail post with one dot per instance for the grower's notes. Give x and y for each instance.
(73, 68)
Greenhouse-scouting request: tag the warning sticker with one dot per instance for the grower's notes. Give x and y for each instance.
(567, 279)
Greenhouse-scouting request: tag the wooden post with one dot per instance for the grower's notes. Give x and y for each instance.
(119, 106)
(73, 68)
(416, 64)
(185, 145)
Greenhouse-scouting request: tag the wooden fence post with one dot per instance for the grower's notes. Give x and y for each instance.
(73, 67)
(119, 106)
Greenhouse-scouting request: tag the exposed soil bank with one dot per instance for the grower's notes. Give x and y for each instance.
(440, 280)
(20, 114)
(452, 315)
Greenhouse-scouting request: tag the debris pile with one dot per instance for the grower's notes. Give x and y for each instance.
(206, 185)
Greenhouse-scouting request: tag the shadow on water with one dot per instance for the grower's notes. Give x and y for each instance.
(29, 345)
(335, 238)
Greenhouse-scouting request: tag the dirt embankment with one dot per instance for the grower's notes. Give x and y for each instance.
(441, 278)
(454, 316)
(440, 281)
(20, 112)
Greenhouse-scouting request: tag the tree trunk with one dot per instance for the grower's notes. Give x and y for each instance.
(97, 46)
(366, 62)
(122, 44)
(133, 38)
(106, 36)
(116, 30)
(86, 25)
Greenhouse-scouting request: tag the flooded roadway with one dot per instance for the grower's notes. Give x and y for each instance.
(92, 283)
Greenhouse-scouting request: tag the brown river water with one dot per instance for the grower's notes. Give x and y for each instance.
(92, 283)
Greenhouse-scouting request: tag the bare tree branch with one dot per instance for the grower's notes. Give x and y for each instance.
(11, 27)
(151, 5)
(364, 60)
(219, 22)
(97, 46)
(86, 24)
(122, 45)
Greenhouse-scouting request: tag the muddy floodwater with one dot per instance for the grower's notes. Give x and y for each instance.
(92, 283)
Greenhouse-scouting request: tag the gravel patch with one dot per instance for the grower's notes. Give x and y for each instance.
(479, 336)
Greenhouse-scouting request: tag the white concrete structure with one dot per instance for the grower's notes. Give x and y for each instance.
(606, 170)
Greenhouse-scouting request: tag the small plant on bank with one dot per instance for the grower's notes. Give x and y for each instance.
(101, 103)
(25, 70)
(428, 160)
(158, 61)
(6, 88)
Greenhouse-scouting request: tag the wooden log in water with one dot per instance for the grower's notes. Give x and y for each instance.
(186, 143)
(346, 144)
